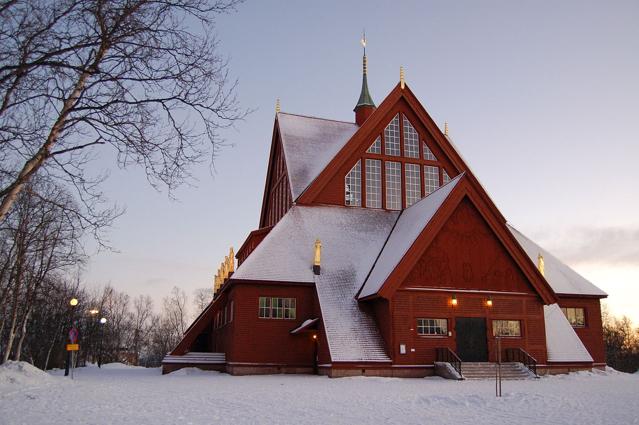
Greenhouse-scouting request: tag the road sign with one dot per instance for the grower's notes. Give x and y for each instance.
(73, 347)
(73, 335)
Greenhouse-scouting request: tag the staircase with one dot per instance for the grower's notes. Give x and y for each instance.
(485, 370)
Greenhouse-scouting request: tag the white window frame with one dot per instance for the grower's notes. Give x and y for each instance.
(429, 326)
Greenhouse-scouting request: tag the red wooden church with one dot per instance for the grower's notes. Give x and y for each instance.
(379, 252)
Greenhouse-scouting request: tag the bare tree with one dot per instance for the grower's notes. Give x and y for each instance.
(141, 318)
(201, 299)
(143, 76)
(175, 311)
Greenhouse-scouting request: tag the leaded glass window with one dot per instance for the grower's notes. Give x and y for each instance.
(373, 183)
(432, 327)
(413, 183)
(445, 177)
(411, 140)
(391, 137)
(353, 186)
(393, 185)
(376, 147)
(431, 179)
(506, 328)
(428, 154)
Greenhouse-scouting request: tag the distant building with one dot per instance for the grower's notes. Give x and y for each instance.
(380, 253)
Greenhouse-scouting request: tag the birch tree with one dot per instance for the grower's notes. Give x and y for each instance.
(143, 77)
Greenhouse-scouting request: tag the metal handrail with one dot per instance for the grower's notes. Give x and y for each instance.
(447, 355)
(520, 355)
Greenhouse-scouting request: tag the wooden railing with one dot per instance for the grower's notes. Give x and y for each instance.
(520, 355)
(447, 355)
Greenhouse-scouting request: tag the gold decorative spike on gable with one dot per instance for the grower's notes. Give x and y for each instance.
(540, 264)
(402, 80)
(231, 261)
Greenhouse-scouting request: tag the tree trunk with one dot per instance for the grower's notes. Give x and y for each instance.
(22, 335)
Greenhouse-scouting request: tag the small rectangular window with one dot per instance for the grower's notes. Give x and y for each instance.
(393, 185)
(353, 186)
(277, 308)
(506, 328)
(231, 314)
(576, 316)
(413, 184)
(373, 183)
(438, 327)
(265, 307)
(391, 137)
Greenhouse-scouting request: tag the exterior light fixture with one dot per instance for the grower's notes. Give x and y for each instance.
(103, 320)
(94, 311)
(314, 336)
(73, 302)
(489, 302)
(453, 300)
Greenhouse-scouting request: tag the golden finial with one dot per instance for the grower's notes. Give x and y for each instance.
(540, 264)
(402, 80)
(277, 106)
(318, 256)
(446, 128)
(231, 260)
(223, 270)
(365, 62)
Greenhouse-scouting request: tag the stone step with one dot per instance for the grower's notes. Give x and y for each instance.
(485, 370)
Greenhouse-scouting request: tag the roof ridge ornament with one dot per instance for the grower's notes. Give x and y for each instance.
(365, 98)
(446, 128)
(317, 260)
(278, 108)
(402, 80)
(541, 265)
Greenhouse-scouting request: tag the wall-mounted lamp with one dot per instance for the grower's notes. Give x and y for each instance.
(453, 300)
(489, 302)
(314, 336)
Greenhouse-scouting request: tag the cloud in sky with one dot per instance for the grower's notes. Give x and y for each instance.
(595, 245)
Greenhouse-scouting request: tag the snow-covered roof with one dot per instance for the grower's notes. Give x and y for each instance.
(562, 343)
(351, 240)
(309, 145)
(409, 226)
(561, 278)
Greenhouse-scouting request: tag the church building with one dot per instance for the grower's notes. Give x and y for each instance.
(380, 253)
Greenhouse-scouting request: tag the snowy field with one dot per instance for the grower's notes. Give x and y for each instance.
(118, 394)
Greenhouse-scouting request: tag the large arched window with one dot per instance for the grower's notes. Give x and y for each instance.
(397, 170)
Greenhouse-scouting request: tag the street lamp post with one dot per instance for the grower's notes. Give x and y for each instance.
(102, 324)
(73, 302)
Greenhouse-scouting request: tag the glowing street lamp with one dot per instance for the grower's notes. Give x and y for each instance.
(94, 311)
(103, 320)
(73, 302)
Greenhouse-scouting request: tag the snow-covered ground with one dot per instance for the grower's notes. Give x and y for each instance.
(118, 394)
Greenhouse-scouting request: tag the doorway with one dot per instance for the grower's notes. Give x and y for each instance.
(472, 345)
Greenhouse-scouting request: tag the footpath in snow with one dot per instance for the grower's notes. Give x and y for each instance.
(118, 394)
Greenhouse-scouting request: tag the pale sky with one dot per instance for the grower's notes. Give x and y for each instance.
(542, 99)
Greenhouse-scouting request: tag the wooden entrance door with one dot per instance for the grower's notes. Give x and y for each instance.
(471, 339)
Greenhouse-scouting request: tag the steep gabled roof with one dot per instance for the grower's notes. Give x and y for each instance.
(309, 145)
(410, 225)
(351, 240)
(562, 341)
(413, 239)
(562, 278)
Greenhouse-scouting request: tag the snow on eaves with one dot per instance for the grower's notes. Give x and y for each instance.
(562, 343)
(409, 226)
(309, 145)
(351, 240)
(559, 276)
